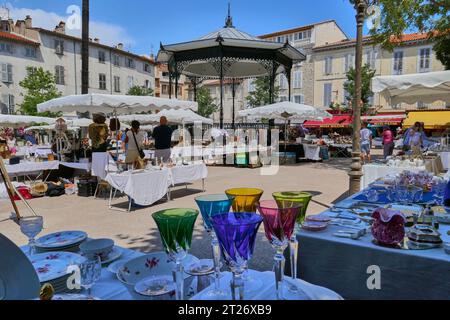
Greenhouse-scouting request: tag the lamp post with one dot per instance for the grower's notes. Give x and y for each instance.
(85, 48)
(355, 172)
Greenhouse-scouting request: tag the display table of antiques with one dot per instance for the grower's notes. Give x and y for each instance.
(391, 241)
(144, 187)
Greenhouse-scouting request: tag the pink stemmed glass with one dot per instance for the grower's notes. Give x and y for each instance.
(279, 226)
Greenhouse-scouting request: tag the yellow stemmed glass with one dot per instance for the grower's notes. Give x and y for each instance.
(245, 199)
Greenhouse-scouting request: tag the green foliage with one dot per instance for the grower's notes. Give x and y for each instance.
(366, 92)
(260, 96)
(140, 91)
(39, 87)
(206, 105)
(428, 16)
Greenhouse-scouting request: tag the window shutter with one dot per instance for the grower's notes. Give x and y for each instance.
(10, 73)
(4, 72)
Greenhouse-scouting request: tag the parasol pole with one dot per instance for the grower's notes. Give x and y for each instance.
(285, 139)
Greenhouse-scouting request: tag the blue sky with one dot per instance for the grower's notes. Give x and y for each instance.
(142, 24)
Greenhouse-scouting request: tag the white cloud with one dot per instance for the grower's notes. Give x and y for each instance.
(110, 34)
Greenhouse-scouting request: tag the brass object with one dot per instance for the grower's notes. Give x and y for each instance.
(47, 292)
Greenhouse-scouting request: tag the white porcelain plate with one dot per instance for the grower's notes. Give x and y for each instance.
(61, 239)
(115, 254)
(53, 265)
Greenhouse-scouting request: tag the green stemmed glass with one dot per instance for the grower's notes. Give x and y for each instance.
(290, 199)
(175, 228)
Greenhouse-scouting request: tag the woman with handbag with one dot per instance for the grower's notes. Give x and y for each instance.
(135, 140)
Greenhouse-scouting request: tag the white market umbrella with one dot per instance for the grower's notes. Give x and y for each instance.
(117, 104)
(50, 128)
(173, 116)
(17, 121)
(85, 123)
(287, 111)
(411, 88)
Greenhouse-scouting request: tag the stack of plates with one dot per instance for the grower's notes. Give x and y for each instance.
(56, 268)
(61, 241)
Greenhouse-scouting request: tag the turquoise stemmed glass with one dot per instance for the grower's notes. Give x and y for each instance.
(210, 206)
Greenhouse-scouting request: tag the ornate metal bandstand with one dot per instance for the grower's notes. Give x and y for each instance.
(228, 54)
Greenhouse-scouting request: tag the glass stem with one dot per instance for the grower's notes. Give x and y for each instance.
(293, 248)
(179, 281)
(216, 259)
(237, 284)
(279, 272)
(31, 245)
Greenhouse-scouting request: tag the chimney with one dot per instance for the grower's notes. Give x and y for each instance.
(28, 22)
(120, 46)
(61, 27)
(11, 25)
(97, 40)
(20, 27)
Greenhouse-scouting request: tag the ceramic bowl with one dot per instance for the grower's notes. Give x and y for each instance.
(143, 267)
(98, 247)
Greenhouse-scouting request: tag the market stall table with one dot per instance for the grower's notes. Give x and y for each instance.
(108, 287)
(343, 265)
(373, 172)
(28, 168)
(144, 187)
(445, 158)
(188, 173)
(312, 151)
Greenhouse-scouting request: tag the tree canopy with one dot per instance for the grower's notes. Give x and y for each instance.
(260, 96)
(206, 105)
(140, 91)
(366, 92)
(39, 87)
(402, 16)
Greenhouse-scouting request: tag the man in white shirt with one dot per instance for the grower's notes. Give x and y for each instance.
(366, 143)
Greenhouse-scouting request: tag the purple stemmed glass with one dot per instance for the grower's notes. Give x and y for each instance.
(279, 226)
(236, 233)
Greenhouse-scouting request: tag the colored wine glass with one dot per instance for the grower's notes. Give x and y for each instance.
(289, 199)
(176, 227)
(279, 226)
(236, 233)
(210, 206)
(245, 199)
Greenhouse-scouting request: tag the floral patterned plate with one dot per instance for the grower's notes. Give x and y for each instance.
(61, 239)
(53, 265)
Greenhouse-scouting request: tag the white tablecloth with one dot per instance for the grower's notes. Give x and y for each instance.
(26, 167)
(109, 288)
(372, 172)
(312, 152)
(100, 164)
(145, 187)
(189, 173)
(86, 166)
(264, 289)
(445, 157)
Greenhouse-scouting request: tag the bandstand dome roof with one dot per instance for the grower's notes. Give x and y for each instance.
(244, 56)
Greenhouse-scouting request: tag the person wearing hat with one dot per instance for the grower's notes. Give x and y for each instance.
(98, 133)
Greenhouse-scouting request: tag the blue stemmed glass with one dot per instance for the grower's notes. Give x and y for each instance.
(210, 206)
(236, 233)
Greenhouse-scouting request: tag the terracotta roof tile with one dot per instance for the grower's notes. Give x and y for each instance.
(16, 37)
(368, 39)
